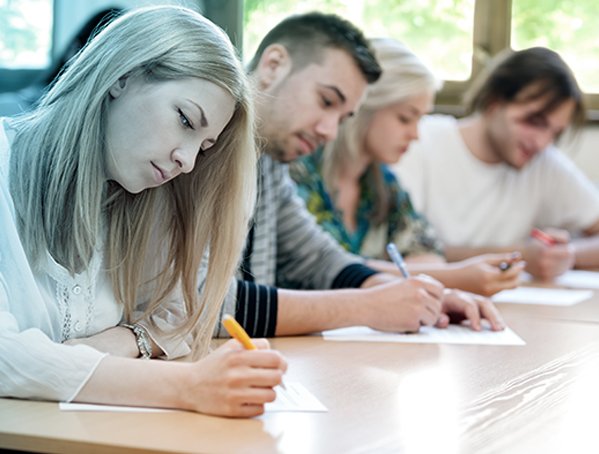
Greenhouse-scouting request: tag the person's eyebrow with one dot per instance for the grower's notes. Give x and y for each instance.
(539, 116)
(203, 120)
(414, 110)
(338, 92)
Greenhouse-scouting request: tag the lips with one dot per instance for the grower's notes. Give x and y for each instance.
(160, 175)
(527, 152)
(308, 145)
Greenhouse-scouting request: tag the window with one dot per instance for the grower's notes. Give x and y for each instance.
(425, 26)
(456, 38)
(569, 27)
(25, 33)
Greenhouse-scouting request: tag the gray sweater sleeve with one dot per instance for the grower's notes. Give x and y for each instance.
(306, 257)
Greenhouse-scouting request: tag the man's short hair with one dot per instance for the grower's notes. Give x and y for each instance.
(306, 36)
(526, 75)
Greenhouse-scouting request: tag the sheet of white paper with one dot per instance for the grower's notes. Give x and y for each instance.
(453, 334)
(73, 406)
(295, 398)
(544, 296)
(579, 279)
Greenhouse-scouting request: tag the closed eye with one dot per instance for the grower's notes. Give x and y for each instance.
(326, 101)
(536, 120)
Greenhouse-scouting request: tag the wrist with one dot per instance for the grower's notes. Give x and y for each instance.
(378, 279)
(142, 339)
(181, 380)
(359, 310)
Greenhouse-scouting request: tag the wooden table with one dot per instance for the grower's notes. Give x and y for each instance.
(585, 311)
(382, 398)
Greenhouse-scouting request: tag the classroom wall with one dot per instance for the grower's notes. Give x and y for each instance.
(584, 150)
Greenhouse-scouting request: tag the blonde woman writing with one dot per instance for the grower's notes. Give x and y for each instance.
(139, 160)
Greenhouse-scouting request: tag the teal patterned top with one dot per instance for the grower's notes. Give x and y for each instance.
(408, 229)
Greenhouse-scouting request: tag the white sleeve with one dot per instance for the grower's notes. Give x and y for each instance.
(32, 365)
(572, 200)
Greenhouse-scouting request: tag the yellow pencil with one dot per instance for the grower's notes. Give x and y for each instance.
(237, 332)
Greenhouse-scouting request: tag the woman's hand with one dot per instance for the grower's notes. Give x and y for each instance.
(234, 382)
(489, 273)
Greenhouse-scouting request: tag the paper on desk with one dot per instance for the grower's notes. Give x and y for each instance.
(579, 279)
(73, 406)
(453, 334)
(295, 398)
(545, 296)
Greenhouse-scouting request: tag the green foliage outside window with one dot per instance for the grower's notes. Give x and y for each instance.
(25, 33)
(441, 31)
(426, 26)
(570, 27)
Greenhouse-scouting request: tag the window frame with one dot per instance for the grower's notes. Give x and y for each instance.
(491, 34)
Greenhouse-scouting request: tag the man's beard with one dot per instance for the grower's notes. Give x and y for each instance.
(278, 153)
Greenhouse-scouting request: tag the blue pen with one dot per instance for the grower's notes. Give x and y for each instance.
(397, 259)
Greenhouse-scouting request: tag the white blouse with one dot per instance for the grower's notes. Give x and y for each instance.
(40, 310)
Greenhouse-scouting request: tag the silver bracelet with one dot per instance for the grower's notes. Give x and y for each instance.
(142, 339)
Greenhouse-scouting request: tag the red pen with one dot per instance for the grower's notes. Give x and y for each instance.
(543, 237)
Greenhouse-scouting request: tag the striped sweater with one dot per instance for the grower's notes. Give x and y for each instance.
(285, 248)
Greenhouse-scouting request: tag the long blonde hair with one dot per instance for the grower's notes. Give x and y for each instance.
(404, 76)
(58, 181)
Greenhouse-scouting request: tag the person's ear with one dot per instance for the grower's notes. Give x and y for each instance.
(274, 65)
(494, 104)
(118, 87)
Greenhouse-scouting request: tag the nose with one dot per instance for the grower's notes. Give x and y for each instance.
(328, 126)
(543, 139)
(413, 131)
(184, 157)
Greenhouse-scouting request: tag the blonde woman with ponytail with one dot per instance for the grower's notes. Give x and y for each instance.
(138, 161)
